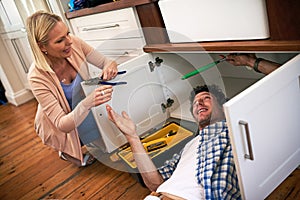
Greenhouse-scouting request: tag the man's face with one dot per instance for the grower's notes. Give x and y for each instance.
(206, 109)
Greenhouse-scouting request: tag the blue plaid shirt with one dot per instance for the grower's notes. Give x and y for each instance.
(216, 170)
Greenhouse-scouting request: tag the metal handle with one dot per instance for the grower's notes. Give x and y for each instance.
(115, 53)
(19, 54)
(23, 30)
(250, 155)
(101, 27)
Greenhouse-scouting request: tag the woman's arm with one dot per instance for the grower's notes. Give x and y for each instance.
(80, 112)
(51, 101)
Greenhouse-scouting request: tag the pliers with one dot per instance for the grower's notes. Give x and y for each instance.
(99, 80)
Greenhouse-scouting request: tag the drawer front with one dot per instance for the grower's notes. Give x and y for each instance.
(113, 24)
(125, 45)
(119, 50)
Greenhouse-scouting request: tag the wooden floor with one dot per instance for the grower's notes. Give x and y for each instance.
(31, 170)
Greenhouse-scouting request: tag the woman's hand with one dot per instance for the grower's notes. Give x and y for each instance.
(124, 123)
(110, 71)
(99, 96)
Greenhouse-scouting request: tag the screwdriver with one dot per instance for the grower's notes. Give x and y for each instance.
(202, 69)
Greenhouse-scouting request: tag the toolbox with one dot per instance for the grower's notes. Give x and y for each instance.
(159, 142)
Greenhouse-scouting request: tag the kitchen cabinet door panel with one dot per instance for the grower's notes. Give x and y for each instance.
(145, 97)
(264, 119)
(17, 46)
(10, 18)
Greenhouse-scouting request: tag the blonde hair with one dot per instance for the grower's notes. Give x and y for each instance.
(38, 26)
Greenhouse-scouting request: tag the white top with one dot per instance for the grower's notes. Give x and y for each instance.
(183, 182)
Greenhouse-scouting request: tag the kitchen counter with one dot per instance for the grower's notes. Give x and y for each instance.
(284, 30)
(107, 7)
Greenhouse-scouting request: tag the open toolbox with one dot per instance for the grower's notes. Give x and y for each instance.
(158, 143)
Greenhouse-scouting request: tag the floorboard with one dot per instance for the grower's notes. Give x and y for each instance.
(31, 170)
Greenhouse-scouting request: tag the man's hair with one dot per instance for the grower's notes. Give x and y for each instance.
(213, 89)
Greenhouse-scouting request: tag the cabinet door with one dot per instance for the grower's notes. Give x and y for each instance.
(142, 97)
(264, 130)
(17, 46)
(10, 18)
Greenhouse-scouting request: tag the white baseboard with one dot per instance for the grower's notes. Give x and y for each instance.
(20, 97)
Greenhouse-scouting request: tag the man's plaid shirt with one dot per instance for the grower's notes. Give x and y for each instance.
(216, 170)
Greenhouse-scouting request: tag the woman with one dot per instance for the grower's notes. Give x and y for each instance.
(60, 64)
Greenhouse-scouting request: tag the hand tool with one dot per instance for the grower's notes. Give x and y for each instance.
(100, 81)
(203, 68)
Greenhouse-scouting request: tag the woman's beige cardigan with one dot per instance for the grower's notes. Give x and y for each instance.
(52, 103)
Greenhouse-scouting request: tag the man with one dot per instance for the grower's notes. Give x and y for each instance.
(205, 168)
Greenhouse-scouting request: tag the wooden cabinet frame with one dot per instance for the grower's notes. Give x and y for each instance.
(284, 25)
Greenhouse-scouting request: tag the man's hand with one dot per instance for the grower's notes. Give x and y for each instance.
(124, 123)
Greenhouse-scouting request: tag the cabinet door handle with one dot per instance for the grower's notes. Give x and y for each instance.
(250, 155)
(101, 27)
(19, 54)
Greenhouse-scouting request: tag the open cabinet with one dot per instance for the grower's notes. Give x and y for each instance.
(264, 128)
(263, 109)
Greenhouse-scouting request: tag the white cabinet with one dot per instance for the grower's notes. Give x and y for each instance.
(116, 34)
(142, 97)
(59, 7)
(13, 15)
(27, 7)
(264, 129)
(214, 20)
(18, 48)
(263, 119)
(10, 18)
(263, 112)
(14, 35)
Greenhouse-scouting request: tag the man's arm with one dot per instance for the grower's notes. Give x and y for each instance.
(262, 65)
(150, 175)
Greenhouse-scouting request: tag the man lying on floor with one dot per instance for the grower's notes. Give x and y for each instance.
(205, 168)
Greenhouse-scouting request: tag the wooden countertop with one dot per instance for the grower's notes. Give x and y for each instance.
(107, 7)
(241, 46)
(280, 40)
